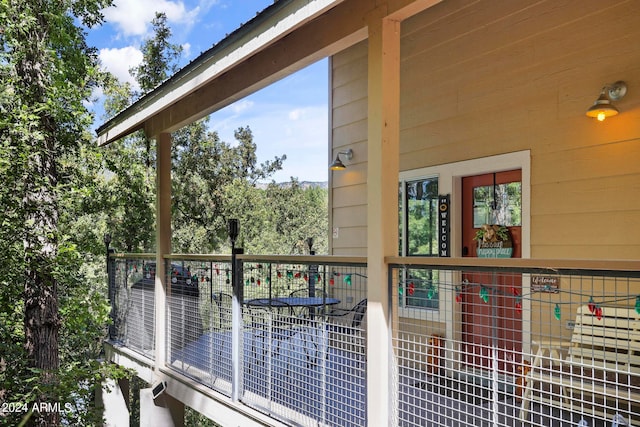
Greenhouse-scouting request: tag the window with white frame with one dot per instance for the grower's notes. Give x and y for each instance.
(419, 237)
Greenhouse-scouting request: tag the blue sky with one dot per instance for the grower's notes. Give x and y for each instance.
(289, 117)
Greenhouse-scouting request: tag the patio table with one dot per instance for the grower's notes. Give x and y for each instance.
(279, 302)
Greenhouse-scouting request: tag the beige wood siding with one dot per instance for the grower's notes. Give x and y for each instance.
(349, 130)
(490, 77)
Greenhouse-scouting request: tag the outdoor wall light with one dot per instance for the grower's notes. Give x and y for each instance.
(158, 389)
(337, 163)
(603, 107)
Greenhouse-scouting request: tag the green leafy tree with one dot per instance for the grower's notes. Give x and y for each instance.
(286, 216)
(128, 189)
(159, 56)
(47, 72)
(209, 176)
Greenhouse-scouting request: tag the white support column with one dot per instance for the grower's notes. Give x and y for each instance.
(113, 397)
(163, 241)
(382, 212)
(163, 411)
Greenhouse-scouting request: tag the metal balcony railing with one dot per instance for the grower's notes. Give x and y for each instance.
(513, 343)
(131, 291)
(295, 328)
(475, 342)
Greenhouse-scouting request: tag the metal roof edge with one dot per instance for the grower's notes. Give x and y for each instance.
(252, 29)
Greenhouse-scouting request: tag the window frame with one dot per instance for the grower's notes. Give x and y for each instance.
(404, 179)
(450, 182)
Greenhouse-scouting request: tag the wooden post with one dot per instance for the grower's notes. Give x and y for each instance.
(163, 240)
(382, 211)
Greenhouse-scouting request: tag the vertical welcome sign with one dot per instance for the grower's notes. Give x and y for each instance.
(444, 218)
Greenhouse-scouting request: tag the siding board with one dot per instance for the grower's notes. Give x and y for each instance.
(588, 229)
(481, 78)
(568, 197)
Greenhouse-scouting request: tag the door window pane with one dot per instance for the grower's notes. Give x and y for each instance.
(497, 204)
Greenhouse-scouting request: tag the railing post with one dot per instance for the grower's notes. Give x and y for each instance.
(313, 272)
(236, 324)
(236, 312)
(111, 287)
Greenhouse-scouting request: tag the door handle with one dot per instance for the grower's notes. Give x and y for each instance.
(465, 251)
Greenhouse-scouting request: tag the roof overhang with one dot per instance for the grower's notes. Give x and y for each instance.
(284, 38)
(216, 68)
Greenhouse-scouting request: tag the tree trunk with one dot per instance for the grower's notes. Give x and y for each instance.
(42, 325)
(41, 317)
(41, 214)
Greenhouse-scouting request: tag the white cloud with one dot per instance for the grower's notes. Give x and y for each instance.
(241, 106)
(186, 49)
(296, 114)
(119, 61)
(133, 18)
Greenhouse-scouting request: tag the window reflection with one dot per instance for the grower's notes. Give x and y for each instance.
(419, 237)
(422, 217)
(499, 204)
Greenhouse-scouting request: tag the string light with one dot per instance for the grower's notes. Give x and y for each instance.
(485, 291)
(484, 294)
(411, 286)
(598, 312)
(431, 293)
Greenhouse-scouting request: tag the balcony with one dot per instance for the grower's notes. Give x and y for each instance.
(474, 342)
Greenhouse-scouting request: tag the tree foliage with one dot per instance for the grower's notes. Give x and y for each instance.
(212, 180)
(208, 174)
(159, 56)
(61, 193)
(52, 310)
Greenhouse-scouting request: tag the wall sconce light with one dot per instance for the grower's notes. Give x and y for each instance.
(603, 107)
(337, 163)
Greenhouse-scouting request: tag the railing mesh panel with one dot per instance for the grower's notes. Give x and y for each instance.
(133, 304)
(495, 348)
(305, 342)
(302, 336)
(472, 346)
(199, 321)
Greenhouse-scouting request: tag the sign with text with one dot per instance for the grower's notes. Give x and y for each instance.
(444, 226)
(545, 284)
(494, 241)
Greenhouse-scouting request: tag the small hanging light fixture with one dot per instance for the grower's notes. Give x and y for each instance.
(603, 107)
(337, 163)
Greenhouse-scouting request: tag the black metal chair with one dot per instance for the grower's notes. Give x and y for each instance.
(224, 303)
(347, 328)
(272, 323)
